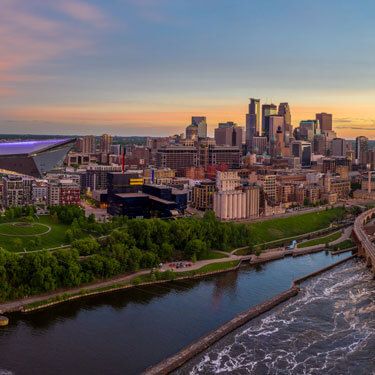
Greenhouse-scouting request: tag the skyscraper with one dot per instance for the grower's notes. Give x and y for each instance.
(325, 120)
(361, 148)
(284, 111)
(339, 147)
(253, 124)
(275, 122)
(267, 111)
(201, 123)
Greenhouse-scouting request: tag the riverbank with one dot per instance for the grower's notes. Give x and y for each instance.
(145, 277)
(186, 354)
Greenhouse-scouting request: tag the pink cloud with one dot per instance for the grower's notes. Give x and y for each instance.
(28, 37)
(82, 11)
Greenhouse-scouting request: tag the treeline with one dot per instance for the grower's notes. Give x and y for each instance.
(132, 245)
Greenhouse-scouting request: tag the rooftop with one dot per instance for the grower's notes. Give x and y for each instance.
(29, 147)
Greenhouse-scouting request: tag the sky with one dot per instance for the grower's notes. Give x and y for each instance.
(144, 67)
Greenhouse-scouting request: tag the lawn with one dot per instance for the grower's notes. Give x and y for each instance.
(321, 240)
(20, 237)
(215, 255)
(347, 244)
(271, 230)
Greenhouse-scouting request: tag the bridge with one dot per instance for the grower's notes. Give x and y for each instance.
(366, 248)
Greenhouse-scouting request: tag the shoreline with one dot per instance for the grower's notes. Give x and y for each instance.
(174, 362)
(125, 282)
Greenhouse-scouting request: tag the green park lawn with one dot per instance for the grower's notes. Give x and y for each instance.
(215, 255)
(271, 230)
(321, 240)
(18, 237)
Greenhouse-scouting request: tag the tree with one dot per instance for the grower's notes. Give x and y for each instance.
(86, 246)
(196, 247)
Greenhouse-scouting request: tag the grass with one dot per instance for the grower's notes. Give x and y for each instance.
(320, 240)
(55, 238)
(244, 251)
(215, 255)
(347, 244)
(272, 230)
(22, 229)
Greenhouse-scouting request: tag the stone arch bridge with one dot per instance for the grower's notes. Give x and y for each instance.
(366, 248)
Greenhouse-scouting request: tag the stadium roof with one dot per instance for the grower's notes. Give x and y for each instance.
(33, 157)
(30, 147)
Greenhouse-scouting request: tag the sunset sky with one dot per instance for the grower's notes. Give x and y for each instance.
(144, 67)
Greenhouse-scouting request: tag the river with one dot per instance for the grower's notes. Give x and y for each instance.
(125, 332)
(329, 328)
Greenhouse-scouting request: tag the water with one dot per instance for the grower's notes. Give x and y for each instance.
(126, 332)
(329, 328)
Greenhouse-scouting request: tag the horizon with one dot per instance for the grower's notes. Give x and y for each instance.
(144, 67)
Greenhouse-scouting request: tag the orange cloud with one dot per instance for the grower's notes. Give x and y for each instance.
(170, 120)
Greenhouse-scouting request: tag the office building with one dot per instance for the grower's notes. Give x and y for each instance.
(253, 121)
(275, 122)
(228, 134)
(361, 148)
(308, 129)
(267, 111)
(177, 157)
(303, 151)
(325, 121)
(338, 147)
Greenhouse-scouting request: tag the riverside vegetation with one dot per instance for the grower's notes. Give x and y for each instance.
(102, 250)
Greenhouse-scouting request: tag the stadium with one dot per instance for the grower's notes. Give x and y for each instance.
(33, 158)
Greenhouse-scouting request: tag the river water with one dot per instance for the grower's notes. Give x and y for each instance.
(127, 331)
(329, 328)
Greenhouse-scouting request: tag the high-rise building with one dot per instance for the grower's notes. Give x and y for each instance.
(361, 148)
(267, 111)
(197, 129)
(303, 151)
(308, 129)
(338, 147)
(105, 143)
(275, 122)
(325, 121)
(89, 144)
(284, 111)
(192, 132)
(320, 144)
(253, 123)
(228, 134)
(201, 123)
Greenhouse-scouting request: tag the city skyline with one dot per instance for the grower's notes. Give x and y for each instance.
(143, 67)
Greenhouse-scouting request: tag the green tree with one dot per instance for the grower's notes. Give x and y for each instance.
(196, 247)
